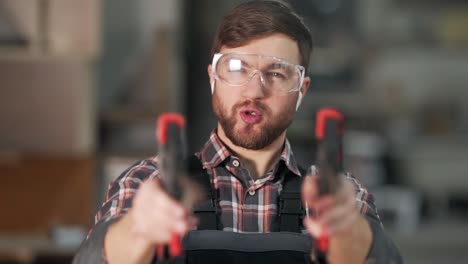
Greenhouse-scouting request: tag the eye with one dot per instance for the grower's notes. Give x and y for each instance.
(277, 75)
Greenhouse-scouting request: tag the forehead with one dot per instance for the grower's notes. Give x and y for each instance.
(276, 45)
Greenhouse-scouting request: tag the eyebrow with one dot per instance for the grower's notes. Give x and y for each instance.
(276, 65)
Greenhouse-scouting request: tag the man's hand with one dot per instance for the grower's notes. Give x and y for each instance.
(151, 221)
(337, 216)
(155, 215)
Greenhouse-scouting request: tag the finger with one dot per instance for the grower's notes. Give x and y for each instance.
(346, 191)
(338, 216)
(159, 227)
(170, 213)
(335, 216)
(157, 215)
(345, 225)
(313, 227)
(169, 206)
(309, 189)
(145, 227)
(160, 199)
(324, 204)
(153, 208)
(166, 222)
(344, 195)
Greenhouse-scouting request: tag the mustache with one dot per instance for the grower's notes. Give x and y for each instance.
(254, 104)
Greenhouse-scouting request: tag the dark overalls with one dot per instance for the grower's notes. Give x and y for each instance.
(208, 244)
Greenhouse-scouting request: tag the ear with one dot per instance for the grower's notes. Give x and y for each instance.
(305, 85)
(212, 80)
(304, 88)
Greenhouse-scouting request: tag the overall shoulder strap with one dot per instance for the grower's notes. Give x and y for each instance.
(291, 211)
(206, 209)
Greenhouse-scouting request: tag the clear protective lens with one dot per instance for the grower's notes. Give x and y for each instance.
(275, 74)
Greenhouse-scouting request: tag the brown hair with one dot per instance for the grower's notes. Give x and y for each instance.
(254, 19)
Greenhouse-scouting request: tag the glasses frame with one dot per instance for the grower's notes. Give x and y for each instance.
(218, 56)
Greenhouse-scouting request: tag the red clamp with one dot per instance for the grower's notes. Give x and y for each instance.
(169, 132)
(329, 133)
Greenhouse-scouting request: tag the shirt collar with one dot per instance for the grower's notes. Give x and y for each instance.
(288, 157)
(215, 152)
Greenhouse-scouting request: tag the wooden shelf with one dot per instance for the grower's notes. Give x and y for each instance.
(47, 191)
(53, 28)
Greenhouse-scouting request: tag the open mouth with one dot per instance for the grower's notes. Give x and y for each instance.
(251, 116)
(253, 113)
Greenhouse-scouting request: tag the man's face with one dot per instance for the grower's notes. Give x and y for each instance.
(252, 116)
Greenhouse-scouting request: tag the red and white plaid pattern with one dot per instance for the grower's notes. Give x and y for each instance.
(245, 205)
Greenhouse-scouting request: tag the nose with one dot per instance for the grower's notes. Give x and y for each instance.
(255, 87)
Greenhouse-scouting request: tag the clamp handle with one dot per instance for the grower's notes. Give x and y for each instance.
(329, 135)
(171, 146)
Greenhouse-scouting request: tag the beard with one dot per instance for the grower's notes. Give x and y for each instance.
(252, 136)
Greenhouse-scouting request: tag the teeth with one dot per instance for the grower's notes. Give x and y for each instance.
(253, 113)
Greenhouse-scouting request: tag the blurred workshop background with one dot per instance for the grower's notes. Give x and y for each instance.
(82, 83)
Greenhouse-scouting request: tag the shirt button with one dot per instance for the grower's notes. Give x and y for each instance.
(235, 163)
(252, 192)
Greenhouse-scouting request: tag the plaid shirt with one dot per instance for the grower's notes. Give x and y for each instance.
(246, 205)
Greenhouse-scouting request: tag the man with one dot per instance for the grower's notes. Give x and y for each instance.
(257, 76)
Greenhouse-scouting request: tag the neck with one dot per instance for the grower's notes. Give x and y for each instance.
(258, 162)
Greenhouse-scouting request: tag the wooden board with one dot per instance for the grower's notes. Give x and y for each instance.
(39, 192)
